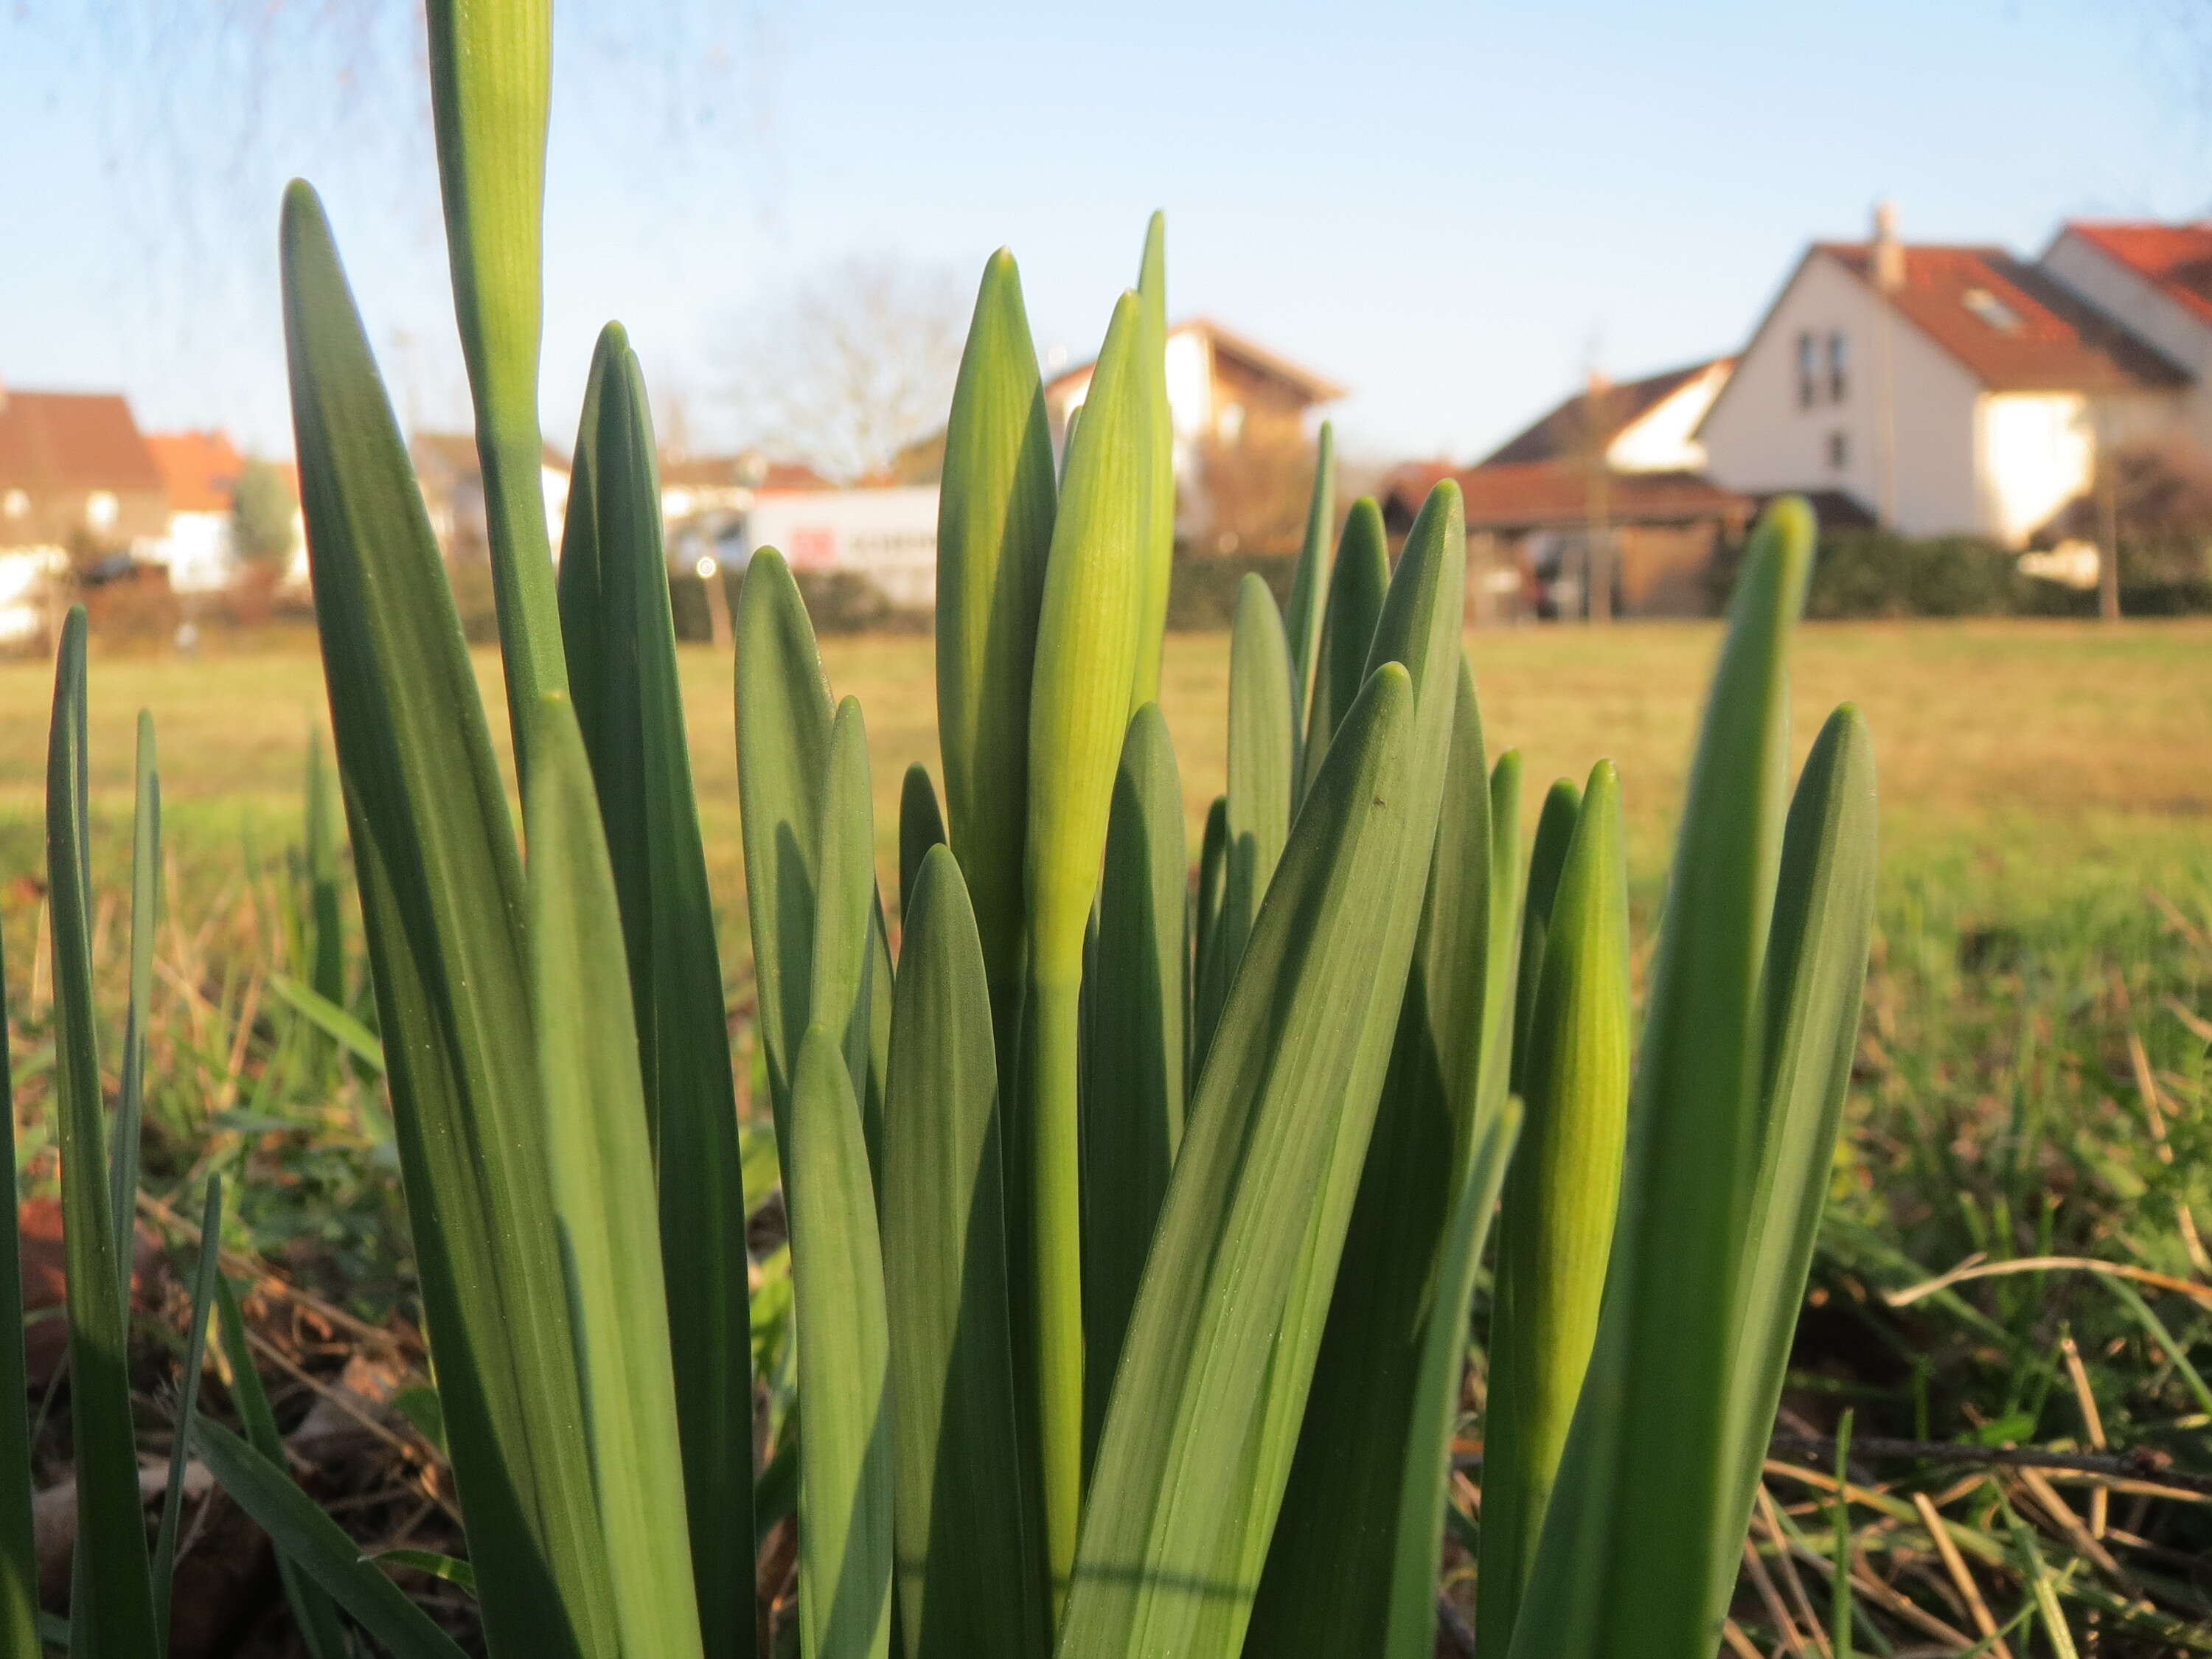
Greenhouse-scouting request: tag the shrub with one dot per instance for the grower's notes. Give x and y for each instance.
(846, 602)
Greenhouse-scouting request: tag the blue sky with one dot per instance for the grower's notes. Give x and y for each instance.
(1453, 209)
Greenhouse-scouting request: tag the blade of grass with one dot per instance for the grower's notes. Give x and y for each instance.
(1563, 1195)
(1262, 750)
(173, 1495)
(1329, 1568)
(1555, 827)
(1089, 642)
(1410, 1627)
(444, 1568)
(970, 1561)
(19, 1555)
(491, 80)
(783, 751)
(619, 634)
(326, 960)
(1642, 1518)
(1134, 1085)
(1302, 616)
(1357, 584)
(145, 902)
(312, 1611)
(1296, 1068)
(1159, 430)
(112, 1605)
(601, 1164)
(839, 997)
(920, 828)
(326, 1017)
(1206, 903)
(441, 887)
(994, 529)
(845, 1515)
(316, 1544)
(1418, 631)
(1501, 991)
(1814, 973)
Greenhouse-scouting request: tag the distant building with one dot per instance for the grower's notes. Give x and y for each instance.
(1615, 469)
(705, 501)
(886, 535)
(1944, 390)
(1532, 525)
(75, 472)
(200, 471)
(450, 478)
(2156, 282)
(1647, 425)
(1240, 412)
(77, 483)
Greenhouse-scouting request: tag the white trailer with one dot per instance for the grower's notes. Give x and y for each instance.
(889, 536)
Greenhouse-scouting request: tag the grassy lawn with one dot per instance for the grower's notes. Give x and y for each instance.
(2051, 743)
(2032, 1079)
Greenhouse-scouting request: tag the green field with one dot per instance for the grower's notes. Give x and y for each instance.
(2060, 742)
(2032, 1079)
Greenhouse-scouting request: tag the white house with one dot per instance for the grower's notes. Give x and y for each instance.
(2156, 282)
(1226, 393)
(450, 478)
(201, 471)
(1941, 390)
(1645, 425)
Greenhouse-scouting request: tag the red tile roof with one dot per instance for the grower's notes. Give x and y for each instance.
(2027, 331)
(1525, 494)
(2177, 257)
(71, 440)
(200, 469)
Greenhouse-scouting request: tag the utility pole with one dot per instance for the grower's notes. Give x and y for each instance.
(1597, 540)
(1887, 259)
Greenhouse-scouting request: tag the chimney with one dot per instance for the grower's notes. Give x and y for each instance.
(1888, 253)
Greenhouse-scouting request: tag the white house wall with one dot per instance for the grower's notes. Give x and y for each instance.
(2145, 310)
(1758, 439)
(1663, 438)
(2038, 452)
(199, 552)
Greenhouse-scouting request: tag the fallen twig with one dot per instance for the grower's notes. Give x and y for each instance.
(2141, 1463)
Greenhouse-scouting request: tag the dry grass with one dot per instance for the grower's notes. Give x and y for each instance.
(2075, 733)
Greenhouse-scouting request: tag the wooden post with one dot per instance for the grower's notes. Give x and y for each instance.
(2108, 520)
(1597, 535)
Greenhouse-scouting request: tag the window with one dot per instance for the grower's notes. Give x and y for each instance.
(1991, 309)
(100, 509)
(1839, 365)
(1839, 450)
(18, 504)
(1808, 383)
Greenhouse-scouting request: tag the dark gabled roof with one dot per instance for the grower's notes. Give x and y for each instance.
(1565, 431)
(1531, 495)
(2055, 340)
(454, 453)
(71, 440)
(2176, 258)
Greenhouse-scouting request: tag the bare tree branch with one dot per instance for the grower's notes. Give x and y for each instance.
(850, 366)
